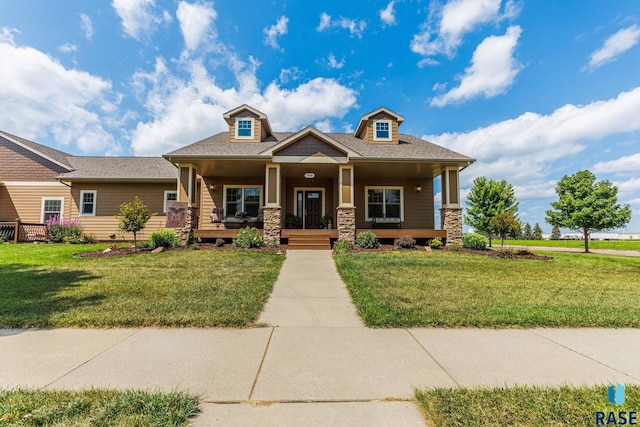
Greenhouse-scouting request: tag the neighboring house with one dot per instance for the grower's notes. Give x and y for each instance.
(38, 182)
(373, 178)
(289, 184)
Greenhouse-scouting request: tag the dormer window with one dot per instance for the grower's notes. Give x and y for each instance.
(244, 128)
(382, 130)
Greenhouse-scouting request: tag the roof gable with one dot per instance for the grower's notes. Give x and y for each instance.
(363, 120)
(54, 156)
(259, 114)
(310, 142)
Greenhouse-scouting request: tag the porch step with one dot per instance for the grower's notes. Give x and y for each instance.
(305, 241)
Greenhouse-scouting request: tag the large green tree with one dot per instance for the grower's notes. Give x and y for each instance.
(555, 233)
(486, 199)
(587, 205)
(537, 232)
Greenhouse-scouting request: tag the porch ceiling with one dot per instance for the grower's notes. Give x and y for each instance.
(397, 170)
(208, 167)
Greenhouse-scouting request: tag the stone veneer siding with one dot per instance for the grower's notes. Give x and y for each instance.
(451, 221)
(346, 223)
(190, 223)
(272, 221)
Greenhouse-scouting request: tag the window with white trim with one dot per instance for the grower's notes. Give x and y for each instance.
(242, 200)
(244, 128)
(382, 131)
(51, 206)
(384, 202)
(169, 196)
(88, 203)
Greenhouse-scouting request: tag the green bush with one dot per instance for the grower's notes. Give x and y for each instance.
(435, 243)
(58, 230)
(164, 238)
(248, 238)
(456, 247)
(475, 241)
(2, 238)
(406, 242)
(342, 246)
(367, 240)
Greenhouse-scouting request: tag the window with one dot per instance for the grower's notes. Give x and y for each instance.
(384, 202)
(168, 196)
(242, 200)
(382, 131)
(51, 207)
(244, 128)
(88, 203)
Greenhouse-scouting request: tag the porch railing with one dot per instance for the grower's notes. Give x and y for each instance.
(18, 231)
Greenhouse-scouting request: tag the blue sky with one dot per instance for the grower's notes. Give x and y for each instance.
(533, 90)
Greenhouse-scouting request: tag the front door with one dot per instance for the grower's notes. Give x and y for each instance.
(313, 208)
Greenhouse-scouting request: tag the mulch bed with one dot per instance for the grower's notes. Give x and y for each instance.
(505, 253)
(118, 251)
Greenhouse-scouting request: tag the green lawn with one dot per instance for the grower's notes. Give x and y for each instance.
(453, 289)
(633, 245)
(521, 406)
(44, 286)
(96, 408)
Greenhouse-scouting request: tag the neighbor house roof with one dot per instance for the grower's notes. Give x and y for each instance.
(409, 148)
(58, 157)
(120, 168)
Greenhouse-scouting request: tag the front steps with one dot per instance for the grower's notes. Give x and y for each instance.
(317, 240)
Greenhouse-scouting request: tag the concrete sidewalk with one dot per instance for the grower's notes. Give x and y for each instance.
(314, 376)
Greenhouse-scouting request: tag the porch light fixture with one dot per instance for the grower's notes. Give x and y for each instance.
(212, 187)
(418, 188)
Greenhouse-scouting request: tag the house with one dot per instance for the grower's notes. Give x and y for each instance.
(306, 187)
(38, 182)
(375, 178)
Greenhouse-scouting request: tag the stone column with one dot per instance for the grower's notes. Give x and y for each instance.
(346, 223)
(190, 223)
(451, 221)
(272, 224)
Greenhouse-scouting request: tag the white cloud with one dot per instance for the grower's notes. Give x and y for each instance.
(324, 126)
(195, 22)
(139, 18)
(86, 25)
(447, 25)
(629, 163)
(523, 149)
(39, 97)
(334, 63)
(290, 74)
(388, 15)
(274, 31)
(356, 28)
(68, 48)
(492, 70)
(615, 45)
(185, 110)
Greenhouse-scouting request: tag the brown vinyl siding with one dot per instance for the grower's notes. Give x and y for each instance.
(20, 164)
(418, 207)
(210, 199)
(309, 146)
(25, 202)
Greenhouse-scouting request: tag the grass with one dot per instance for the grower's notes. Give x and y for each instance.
(96, 408)
(632, 245)
(452, 289)
(44, 286)
(521, 406)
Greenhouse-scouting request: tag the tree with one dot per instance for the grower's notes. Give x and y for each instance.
(527, 234)
(555, 233)
(587, 205)
(537, 232)
(487, 199)
(133, 217)
(505, 224)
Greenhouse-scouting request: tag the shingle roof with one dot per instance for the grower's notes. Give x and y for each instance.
(120, 168)
(409, 147)
(42, 150)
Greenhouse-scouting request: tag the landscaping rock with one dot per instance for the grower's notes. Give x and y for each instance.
(427, 248)
(106, 251)
(158, 250)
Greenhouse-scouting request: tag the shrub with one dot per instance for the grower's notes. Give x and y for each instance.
(367, 240)
(475, 241)
(144, 244)
(435, 243)
(219, 242)
(2, 238)
(58, 230)
(248, 238)
(406, 242)
(456, 247)
(342, 246)
(164, 238)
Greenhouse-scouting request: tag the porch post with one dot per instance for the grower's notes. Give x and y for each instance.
(451, 212)
(346, 212)
(272, 210)
(187, 180)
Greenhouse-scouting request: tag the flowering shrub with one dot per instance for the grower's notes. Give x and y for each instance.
(435, 243)
(248, 238)
(406, 242)
(58, 230)
(367, 240)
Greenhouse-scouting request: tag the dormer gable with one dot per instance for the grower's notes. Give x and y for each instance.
(379, 127)
(246, 124)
